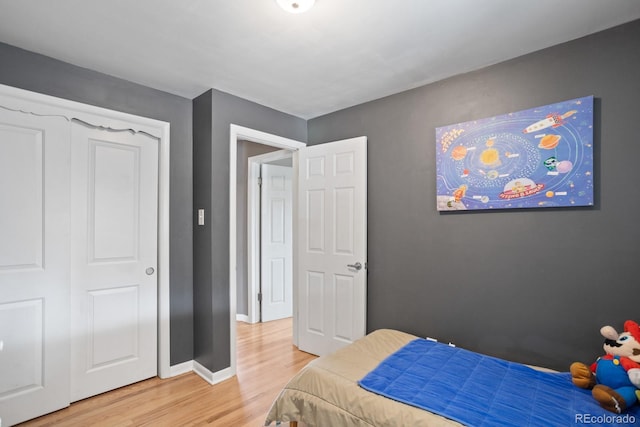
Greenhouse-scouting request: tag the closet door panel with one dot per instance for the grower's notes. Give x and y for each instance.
(113, 259)
(34, 265)
(21, 174)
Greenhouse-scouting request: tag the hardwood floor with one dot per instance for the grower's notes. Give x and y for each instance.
(266, 361)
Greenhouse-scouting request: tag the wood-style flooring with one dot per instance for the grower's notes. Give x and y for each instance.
(266, 360)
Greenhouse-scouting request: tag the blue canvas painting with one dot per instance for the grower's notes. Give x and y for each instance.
(537, 158)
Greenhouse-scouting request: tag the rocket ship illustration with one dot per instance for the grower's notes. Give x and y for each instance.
(459, 193)
(552, 120)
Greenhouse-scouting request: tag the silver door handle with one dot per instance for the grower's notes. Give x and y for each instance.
(357, 266)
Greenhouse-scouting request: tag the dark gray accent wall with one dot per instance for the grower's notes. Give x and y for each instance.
(202, 243)
(529, 285)
(38, 73)
(211, 327)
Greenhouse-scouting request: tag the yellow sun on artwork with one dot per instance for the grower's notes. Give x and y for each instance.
(490, 157)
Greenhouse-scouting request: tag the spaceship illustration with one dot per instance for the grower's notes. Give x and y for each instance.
(459, 193)
(552, 120)
(551, 163)
(521, 187)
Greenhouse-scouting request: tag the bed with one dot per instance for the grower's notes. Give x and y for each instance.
(330, 391)
(326, 391)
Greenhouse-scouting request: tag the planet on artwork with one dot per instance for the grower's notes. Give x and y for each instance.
(492, 174)
(549, 142)
(564, 166)
(459, 152)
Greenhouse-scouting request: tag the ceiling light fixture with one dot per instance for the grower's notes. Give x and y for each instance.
(296, 6)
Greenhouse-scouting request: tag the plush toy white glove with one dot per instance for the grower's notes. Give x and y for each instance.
(634, 376)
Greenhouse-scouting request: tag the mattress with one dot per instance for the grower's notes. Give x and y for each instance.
(326, 392)
(480, 390)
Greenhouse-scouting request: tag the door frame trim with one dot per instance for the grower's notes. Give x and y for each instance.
(37, 103)
(253, 227)
(237, 133)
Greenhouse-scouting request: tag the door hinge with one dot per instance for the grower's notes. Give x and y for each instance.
(260, 181)
(260, 297)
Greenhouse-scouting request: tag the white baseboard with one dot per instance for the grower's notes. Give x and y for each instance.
(212, 377)
(242, 318)
(181, 368)
(204, 373)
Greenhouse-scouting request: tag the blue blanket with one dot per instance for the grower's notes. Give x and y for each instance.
(479, 390)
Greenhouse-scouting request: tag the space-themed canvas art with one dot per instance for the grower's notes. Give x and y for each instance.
(542, 157)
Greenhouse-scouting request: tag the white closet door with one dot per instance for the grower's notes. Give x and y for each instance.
(114, 209)
(34, 265)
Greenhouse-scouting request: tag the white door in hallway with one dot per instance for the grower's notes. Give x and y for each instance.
(332, 244)
(34, 265)
(276, 242)
(114, 208)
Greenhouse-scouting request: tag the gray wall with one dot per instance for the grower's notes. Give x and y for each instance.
(530, 285)
(246, 149)
(214, 111)
(202, 243)
(30, 71)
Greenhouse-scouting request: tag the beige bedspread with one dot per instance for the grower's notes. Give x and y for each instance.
(326, 392)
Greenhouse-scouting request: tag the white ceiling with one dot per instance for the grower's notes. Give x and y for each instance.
(340, 53)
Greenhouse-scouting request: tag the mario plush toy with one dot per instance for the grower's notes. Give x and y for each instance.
(615, 377)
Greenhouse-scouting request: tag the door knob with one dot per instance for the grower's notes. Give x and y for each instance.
(149, 271)
(357, 266)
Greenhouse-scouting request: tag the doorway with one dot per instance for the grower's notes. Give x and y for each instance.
(269, 239)
(239, 133)
(331, 217)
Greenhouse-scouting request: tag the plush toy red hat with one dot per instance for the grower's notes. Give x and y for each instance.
(633, 328)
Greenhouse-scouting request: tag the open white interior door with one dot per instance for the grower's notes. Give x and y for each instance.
(332, 245)
(277, 242)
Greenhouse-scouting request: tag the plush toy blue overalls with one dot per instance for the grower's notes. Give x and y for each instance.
(612, 371)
